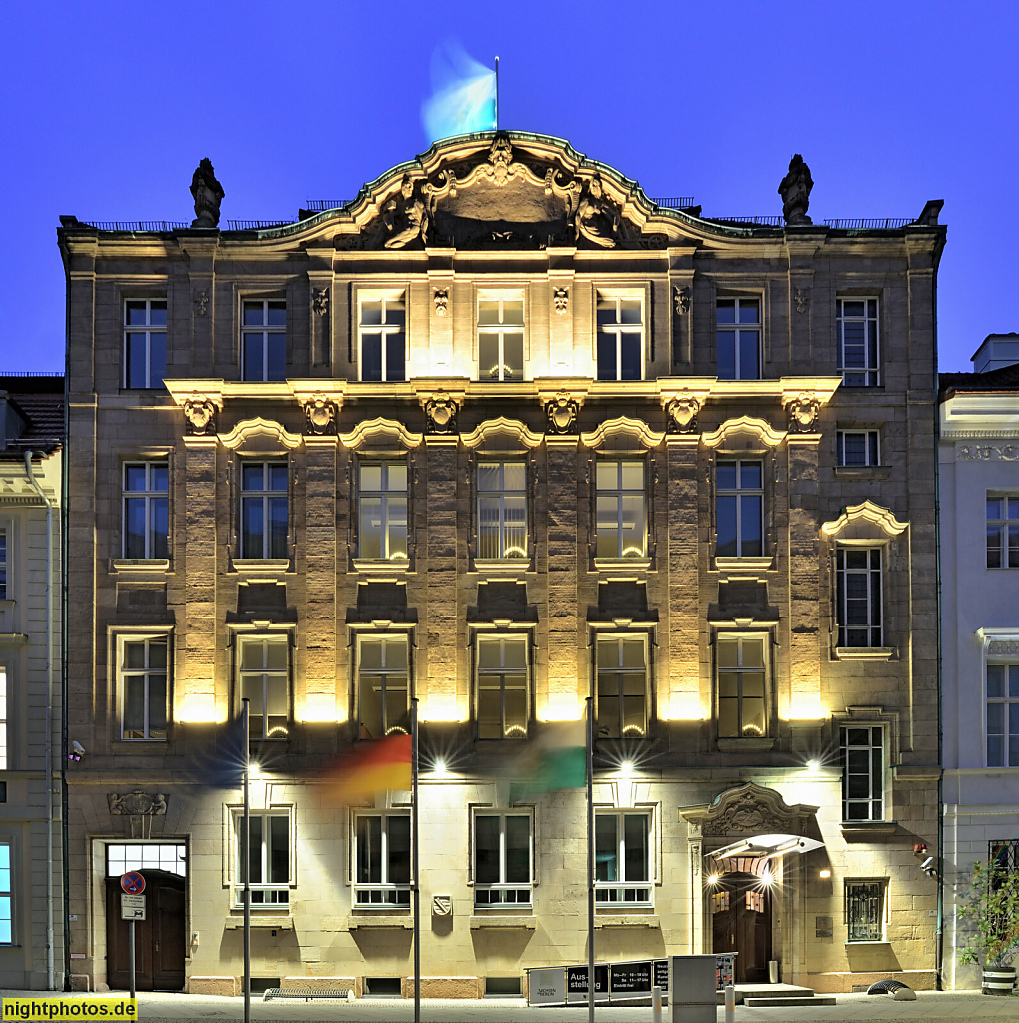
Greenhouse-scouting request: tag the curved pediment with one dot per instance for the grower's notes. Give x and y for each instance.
(261, 436)
(622, 433)
(750, 809)
(379, 432)
(866, 521)
(502, 434)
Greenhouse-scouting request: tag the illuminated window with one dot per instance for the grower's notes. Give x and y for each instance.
(858, 596)
(502, 510)
(739, 509)
(856, 323)
(502, 860)
(382, 861)
(1002, 715)
(143, 688)
(738, 338)
(857, 447)
(865, 910)
(861, 750)
(265, 683)
(146, 510)
(502, 687)
(168, 856)
(741, 688)
(264, 340)
(501, 337)
(1002, 531)
(622, 686)
(382, 510)
(383, 686)
(264, 504)
(620, 339)
(383, 338)
(3, 565)
(6, 889)
(622, 858)
(620, 515)
(144, 342)
(3, 718)
(270, 867)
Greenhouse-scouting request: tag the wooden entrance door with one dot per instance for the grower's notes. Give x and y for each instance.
(741, 922)
(159, 938)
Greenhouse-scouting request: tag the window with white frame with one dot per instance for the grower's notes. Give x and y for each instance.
(738, 338)
(742, 676)
(6, 892)
(865, 910)
(382, 860)
(4, 707)
(383, 685)
(264, 340)
(143, 688)
(857, 447)
(1002, 715)
(858, 602)
(146, 510)
(270, 866)
(382, 510)
(622, 858)
(621, 688)
(862, 752)
(1002, 531)
(144, 342)
(501, 336)
(382, 336)
(3, 565)
(264, 509)
(856, 320)
(739, 508)
(502, 510)
(168, 856)
(502, 860)
(502, 687)
(620, 338)
(264, 673)
(620, 509)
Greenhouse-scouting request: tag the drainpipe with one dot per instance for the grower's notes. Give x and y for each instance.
(49, 720)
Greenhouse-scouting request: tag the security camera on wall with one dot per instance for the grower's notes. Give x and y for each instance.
(77, 751)
(929, 867)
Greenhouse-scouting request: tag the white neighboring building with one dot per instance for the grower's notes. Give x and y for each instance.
(979, 500)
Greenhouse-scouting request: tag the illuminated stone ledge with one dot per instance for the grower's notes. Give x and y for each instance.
(527, 922)
(649, 920)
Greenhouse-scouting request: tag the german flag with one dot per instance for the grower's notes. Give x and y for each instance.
(376, 766)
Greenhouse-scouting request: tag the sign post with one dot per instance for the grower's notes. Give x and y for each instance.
(132, 908)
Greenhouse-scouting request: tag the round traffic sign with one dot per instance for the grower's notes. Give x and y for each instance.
(132, 882)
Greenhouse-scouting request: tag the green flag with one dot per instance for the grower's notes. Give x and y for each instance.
(556, 759)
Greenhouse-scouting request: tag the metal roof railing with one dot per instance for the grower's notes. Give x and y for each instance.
(138, 225)
(747, 221)
(677, 202)
(319, 205)
(864, 224)
(255, 225)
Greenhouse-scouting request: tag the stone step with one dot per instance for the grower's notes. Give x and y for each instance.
(771, 991)
(811, 999)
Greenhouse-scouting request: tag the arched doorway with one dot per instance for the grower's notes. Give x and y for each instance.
(740, 906)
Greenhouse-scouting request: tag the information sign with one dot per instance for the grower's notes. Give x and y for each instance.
(631, 978)
(132, 907)
(546, 987)
(576, 980)
(661, 975)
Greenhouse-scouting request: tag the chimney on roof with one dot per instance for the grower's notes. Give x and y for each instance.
(996, 351)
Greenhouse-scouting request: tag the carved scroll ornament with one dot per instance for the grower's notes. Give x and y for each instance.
(137, 803)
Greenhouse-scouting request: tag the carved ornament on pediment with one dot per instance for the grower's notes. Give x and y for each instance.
(200, 415)
(441, 412)
(988, 452)
(1003, 646)
(137, 803)
(751, 809)
(561, 413)
(320, 414)
(681, 414)
(803, 411)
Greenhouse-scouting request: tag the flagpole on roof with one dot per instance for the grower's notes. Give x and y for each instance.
(416, 889)
(496, 93)
(245, 862)
(590, 859)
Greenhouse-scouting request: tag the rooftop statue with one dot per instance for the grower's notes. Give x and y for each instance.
(208, 194)
(795, 192)
(406, 219)
(597, 219)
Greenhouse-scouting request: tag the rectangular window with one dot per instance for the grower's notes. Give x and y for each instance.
(620, 339)
(383, 686)
(168, 856)
(146, 510)
(501, 337)
(3, 718)
(144, 342)
(861, 750)
(1002, 531)
(3, 565)
(502, 860)
(1003, 715)
(265, 682)
(856, 323)
(264, 340)
(865, 910)
(502, 687)
(1004, 854)
(264, 504)
(143, 673)
(6, 890)
(858, 447)
(858, 596)
(739, 509)
(620, 517)
(622, 858)
(269, 859)
(738, 338)
(382, 511)
(382, 861)
(383, 338)
(622, 687)
(502, 510)
(741, 688)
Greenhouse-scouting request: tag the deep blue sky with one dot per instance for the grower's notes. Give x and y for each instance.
(108, 107)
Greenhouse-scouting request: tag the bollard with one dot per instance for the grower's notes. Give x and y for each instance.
(656, 1005)
(730, 1003)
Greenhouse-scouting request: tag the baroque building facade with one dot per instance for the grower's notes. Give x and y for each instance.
(502, 435)
(979, 530)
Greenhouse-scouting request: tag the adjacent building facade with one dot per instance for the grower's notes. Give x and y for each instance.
(502, 435)
(32, 951)
(979, 500)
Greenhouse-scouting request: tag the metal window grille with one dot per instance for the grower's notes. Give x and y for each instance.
(1004, 853)
(865, 910)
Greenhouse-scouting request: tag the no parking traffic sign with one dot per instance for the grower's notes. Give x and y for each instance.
(132, 882)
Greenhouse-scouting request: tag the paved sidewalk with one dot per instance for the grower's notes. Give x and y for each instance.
(929, 1007)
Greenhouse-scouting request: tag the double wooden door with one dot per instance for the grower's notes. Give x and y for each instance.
(741, 922)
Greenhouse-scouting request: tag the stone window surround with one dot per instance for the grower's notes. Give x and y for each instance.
(884, 909)
(476, 810)
(758, 295)
(373, 293)
(998, 645)
(611, 294)
(147, 296)
(385, 806)
(233, 812)
(858, 295)
(614, 631)
(505, 630)
(491, 293)
(115, 636)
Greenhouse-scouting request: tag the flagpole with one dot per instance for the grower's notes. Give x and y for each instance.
(416, 889)
(496, 93)
(245, 862)
(590, 859)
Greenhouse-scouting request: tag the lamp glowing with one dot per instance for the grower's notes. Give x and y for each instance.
(712, 879)
(562, 707)
(767, 879)
(626, 769)
(813, 765)
(824, 873)
(200, 707)
(439, 767)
